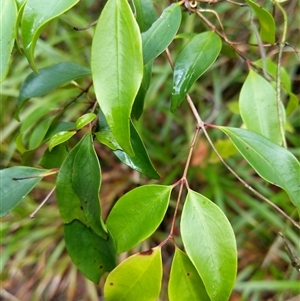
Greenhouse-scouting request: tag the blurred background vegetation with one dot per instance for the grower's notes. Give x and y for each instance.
(34, 261)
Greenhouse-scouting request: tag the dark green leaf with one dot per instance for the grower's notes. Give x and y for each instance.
(55, 157)
(158, 37)
(35, 16)
(92, 254)
(193, 60)
(48, 79)
(137, 215)
(77, 187)
(138, 104)
(210, 244)
(145, 14)
(140, 162)
(136, 278)
(272, 162)
(117, 67)
(16, 183)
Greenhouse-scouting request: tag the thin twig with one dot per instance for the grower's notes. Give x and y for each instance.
(32, 215)
(202, 125)
(86, 27)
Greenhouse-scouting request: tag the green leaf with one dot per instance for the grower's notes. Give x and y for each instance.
(258, 107)
(136, 278)
(60, 137)
(267, 23)
(16, 183)
(272, 162)
(37, 13)
(185, 282)
(210, 244)
(138, 104)
(137, 215)
(140, 162)
(285, 81)
(117, 67)
(92, 254)
(55, 157)
(158, 37)
(39, 132)
(77, 187)
(48, 79)
(86, 180)
(8, 17)
(85, 119)
(193, 60)
(145, 14)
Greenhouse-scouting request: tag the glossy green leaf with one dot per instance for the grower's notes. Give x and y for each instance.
(258, 107)
(210, 244)
(285, 81)
(92, 254)
(136, 278)
(48, 79)
(272, 162)
(137, 215)
(77, 187)
(60, 137)
(85, 119)
(193, 60)
(140, 162)
(16, 183)
(185, 282)
(36, 14)
(267, 22)
(158, 37)
(8, 17)
(145, 14)
(117, 67)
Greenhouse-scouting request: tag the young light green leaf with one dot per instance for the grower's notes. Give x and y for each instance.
(158, 37)
(36, 14)
(85, 119)
(60, 137)
(137, 215)
(77, 187)
(48, 79)
(39, 132)
(16, 183)
(193, 60)
(285, 81)
(8, 17)
(136, 278)
(267, 22)
(145, 14)
(210, 244)
(272, 162)
(185, 282)
(92, 254)
(258, 107)
(117, 67)
(140, 162)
